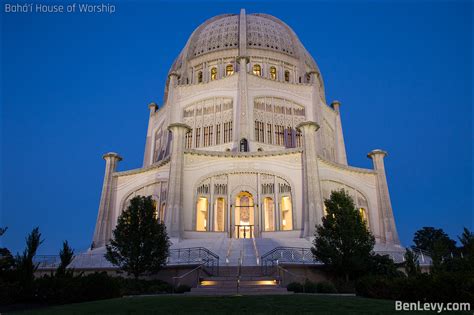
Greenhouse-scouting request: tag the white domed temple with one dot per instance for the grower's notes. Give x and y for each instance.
(245, 148)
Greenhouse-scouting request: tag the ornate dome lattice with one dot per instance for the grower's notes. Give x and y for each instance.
(263, 31)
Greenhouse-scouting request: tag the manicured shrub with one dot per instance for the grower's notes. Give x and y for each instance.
(309, 286)
(325, 287)
(139, 286)
(182, 288)
(295, 287)
(439, 287)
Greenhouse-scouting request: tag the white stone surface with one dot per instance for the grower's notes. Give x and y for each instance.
(178, 170)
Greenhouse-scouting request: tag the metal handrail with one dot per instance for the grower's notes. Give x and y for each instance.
(289, 255)
(185, 275)
(180, 256)
(289, 272)
(241, 258)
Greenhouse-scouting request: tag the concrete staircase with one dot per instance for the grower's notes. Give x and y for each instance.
(250, 282)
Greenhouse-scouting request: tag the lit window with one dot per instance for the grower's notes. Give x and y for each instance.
(286, 214)
(273, 73)
(229, 70)
(200, 77)
(213, 73)
(219, 215)
(161, 216)
(201, 214)
(257, 70)
(363, 215)
(269, 210)
(287, 76)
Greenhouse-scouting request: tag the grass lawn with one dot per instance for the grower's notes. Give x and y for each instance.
(247, 305)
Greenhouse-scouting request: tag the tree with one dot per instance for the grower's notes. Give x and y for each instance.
(343, 242)
(412, 267)
(140, 243)
(427, 237)
(25, 267)
(66, 254)
(436, 242)
(467, 242)
(6, 259)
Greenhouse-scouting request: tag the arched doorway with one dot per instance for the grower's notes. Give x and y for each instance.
(244, 215)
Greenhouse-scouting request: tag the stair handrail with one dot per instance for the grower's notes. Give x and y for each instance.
(229, 249)
(280, 268)
(198, 269)
(257, 255)
(239, 274)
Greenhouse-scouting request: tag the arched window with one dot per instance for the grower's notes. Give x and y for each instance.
(257, 70)
(244, 147)
(269, 213)
(157, 213)
(161, 215)
(308, 78)
(200, 77)
(201, 214)
(213, 73)
(286, 214)
(364, 216)
(287, 76)
(219, 214)
(229, 70)
(273, 73)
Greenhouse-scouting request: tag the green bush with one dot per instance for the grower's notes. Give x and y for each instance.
(182, 288)
(309, 286)
(325, 287)
(295, 287)
(64, 289)
(138, 286)
(439, 287)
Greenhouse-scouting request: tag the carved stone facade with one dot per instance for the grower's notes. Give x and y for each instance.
(245, 139)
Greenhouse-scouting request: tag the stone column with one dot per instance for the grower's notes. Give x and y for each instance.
(389, 230)
(103, 227)
(341, 156)
(148, 158)
(242, 110)
(315, 113)
(312, 197)
(174, 205)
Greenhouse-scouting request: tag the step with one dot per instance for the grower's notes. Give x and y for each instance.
(241, 291)
(234, 278)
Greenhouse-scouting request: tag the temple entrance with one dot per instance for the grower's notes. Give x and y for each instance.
(244, 226)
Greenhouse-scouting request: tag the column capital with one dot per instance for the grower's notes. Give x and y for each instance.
(377, 152)
(173, 74)
(247, 58)
(178, 125)
(112, 155)
(336, 105)
(152, 106)
(310, 124)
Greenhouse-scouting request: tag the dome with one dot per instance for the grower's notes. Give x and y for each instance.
(262, 31)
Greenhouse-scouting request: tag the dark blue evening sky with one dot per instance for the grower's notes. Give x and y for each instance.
(75, 86)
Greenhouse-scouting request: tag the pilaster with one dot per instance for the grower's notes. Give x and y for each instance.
(173, 216)
(148, 158)
(389, 230)
(103, 227)
(341, 156)
(312, 196)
